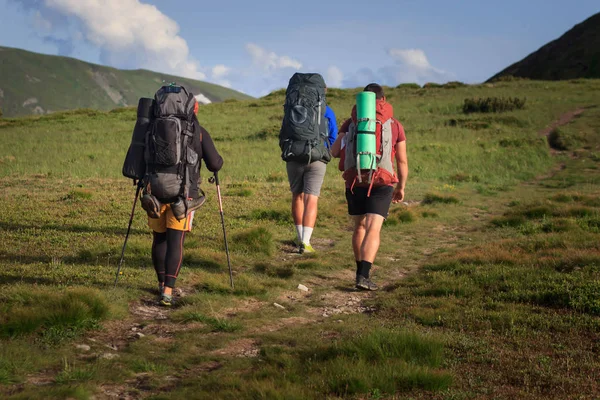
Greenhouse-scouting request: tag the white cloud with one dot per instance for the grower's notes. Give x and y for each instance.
(410, 65)
(129, 34)
(334, 77)
(415, 58)
(268, 60)
(219, 71)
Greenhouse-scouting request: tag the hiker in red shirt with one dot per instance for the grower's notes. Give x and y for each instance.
(369, 196)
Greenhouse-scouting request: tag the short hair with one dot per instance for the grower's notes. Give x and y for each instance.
(375, 88)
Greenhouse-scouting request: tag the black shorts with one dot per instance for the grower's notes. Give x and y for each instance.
(378, 203)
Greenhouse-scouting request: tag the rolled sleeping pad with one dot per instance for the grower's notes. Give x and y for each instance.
(366, 144)
(134, 166)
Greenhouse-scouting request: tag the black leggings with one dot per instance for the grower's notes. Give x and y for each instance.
(167, 255)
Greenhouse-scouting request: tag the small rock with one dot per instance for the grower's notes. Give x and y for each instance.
(279, 306)
(109, 356)
(83, 347)
(139, 335)
(303, 288)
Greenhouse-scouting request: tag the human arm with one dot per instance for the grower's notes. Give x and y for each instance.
(336, 147)
(332, 126)
(210, 155)
(402, 171)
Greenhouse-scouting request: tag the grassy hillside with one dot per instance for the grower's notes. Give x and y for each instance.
(32, 83)
(490, 271)
(576, 54)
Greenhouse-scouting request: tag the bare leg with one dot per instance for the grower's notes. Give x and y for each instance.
(297, 208)
(370, 243)
(359, 235)
(309, 217)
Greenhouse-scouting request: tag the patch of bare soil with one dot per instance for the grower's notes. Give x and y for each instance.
(239, 348)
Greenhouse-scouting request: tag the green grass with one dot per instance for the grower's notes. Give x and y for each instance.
(498, 247)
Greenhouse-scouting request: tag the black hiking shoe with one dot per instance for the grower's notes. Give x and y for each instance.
(151, 205)
(365, 284)
(179, 209)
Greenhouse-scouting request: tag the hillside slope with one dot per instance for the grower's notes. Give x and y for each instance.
(576, 54)
(32, 83)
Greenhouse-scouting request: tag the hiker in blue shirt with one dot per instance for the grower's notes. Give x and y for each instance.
(305, 183)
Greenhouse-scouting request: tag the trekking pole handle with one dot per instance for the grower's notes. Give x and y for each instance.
(214, 179)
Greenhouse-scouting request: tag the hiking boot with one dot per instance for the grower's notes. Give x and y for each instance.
(166, 300)
(365, 284)
(179, 207)
(307, 248)
(161, 289)
(151, 205)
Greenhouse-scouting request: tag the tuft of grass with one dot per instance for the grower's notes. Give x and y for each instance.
(431, 198)
(253, 241)
(277, 216)
(76, 195)
(56, 316)
(143, 365)
(216, 324)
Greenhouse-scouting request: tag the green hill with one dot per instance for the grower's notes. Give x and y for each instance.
(576, 54)
(32, 83)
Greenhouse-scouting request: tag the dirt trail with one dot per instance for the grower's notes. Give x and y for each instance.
(563, 120)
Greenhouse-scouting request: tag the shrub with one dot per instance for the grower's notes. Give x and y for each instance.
(408, 86)
(453, 85)
(556, 140)
(492, 104)
(432, 85)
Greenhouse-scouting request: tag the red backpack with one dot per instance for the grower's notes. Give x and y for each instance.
(384, 174)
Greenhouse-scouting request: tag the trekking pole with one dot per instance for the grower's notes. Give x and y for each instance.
(137, 193)
(215, 179)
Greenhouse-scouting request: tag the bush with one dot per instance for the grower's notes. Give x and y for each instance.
(432, 85)
(453, 85)
(556, 140)
(408, 86)
(493, 104)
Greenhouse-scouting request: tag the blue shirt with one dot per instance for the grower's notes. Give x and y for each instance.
(332, 126)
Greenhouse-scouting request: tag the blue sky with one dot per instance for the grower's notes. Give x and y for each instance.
(256, 46)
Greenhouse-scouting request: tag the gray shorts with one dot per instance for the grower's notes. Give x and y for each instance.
(306, 178)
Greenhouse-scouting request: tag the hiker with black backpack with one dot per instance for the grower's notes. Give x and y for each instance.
(367, 145)
(308, 130)
(168, 162)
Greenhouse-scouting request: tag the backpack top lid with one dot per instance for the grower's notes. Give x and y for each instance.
(174, 100)
(312, 79)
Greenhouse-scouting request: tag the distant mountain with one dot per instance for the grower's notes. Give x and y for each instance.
(576, 54)
(32, 83)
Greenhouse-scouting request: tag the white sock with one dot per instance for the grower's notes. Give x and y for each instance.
(306, 234)
(299, 232)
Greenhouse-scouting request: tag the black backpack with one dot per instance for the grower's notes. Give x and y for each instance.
(304, 129)
(169, 159)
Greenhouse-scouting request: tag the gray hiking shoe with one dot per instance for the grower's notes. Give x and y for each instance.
(365, 284)
(179, 206)
(166, 300)
(151, 205)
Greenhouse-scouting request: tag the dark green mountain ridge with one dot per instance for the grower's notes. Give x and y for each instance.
(33, 83)
(576, 54)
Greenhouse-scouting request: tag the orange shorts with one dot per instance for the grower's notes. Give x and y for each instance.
(168, 221)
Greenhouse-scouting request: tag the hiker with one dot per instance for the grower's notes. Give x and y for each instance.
(308, 130)
(370, 194)
(170, 218)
